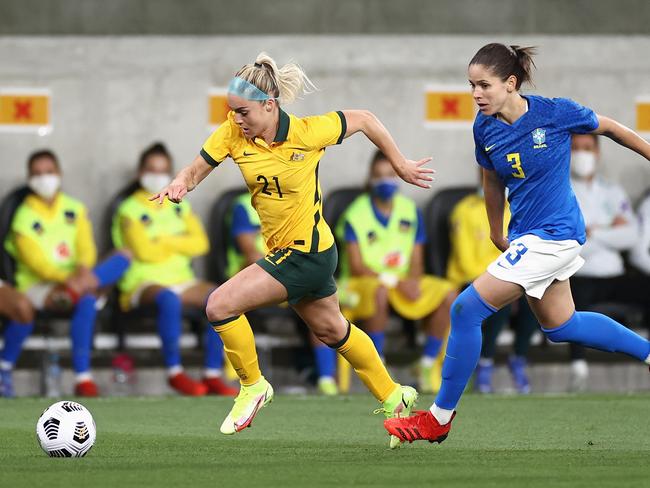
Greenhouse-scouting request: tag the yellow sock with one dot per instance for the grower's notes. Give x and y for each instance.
(360, 352)
(239, 346)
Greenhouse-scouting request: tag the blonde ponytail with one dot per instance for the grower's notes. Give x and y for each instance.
(286, 83)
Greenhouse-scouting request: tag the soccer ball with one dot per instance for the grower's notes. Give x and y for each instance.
(66, 429)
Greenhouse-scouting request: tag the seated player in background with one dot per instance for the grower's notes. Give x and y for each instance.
(15, 307)
(383, 264)
(611, 229)
(640, 252)
(246, 246)
(471, 252)
(52, 241)
(163, 240)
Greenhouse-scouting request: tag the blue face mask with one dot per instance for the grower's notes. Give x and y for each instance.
(385, 188)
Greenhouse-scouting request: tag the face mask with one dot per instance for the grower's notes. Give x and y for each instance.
(154, 182)
(45, 186)
(385, 188)
(583, 163)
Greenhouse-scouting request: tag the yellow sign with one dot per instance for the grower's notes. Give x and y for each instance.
(448, 106)
(25, 110)
(217, 107)
(643, 114)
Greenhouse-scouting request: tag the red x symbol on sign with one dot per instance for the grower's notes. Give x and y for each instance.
(449, 106)
(22, 110)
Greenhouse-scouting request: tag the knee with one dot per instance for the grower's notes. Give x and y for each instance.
(23, 310)
(217, 308)
(168, 302)
(332, 331)
(468, 308)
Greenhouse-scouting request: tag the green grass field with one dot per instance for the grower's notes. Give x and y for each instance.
(535, 441)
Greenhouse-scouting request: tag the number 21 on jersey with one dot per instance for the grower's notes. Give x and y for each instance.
(515, 163)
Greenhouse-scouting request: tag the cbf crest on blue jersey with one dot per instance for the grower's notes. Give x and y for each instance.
(539, 138)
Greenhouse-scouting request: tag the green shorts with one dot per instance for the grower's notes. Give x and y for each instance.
(303, 274)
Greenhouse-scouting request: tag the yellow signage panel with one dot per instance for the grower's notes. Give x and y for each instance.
(25, 110)
(643, 114)
(217, 107)
(448, 106)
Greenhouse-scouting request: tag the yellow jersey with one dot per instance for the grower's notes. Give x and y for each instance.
(282, 177)
(471, 248)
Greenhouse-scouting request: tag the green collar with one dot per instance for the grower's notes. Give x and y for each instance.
(283, 127)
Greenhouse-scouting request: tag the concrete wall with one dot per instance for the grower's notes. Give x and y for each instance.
(113, 96)
(218, 17)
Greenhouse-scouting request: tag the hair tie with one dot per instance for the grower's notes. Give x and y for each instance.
(257, 65)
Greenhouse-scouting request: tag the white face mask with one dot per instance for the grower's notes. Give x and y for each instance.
(154, 182)
(45, 186)
(583, 164)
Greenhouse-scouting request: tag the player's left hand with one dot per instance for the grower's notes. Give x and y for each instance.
(174, 192)
(414, 173)
(410, 288)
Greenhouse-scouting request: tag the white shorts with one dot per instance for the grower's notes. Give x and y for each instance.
(179, 289)
(534, 263)
(38, 293)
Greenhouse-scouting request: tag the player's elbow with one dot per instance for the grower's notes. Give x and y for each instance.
(360, 120)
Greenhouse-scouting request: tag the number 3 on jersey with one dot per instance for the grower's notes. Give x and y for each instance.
(515, 161)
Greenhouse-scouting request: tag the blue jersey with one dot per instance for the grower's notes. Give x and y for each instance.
(532, 158)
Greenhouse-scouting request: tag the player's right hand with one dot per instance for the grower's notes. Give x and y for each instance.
(502, 243)
(175, 192)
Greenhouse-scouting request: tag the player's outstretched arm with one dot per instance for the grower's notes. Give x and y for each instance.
(623, 135)
(495, 200)
(185, 181)
(410, 171)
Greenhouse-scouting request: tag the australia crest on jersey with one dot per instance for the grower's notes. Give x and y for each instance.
(539, 138)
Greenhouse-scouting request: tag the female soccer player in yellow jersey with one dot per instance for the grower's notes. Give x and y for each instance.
(278, 155)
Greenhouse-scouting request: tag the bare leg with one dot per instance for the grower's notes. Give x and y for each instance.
(555, 307)
(197, 295)
(436, 323)
(377, 323)
(15, 305)
(249, 289)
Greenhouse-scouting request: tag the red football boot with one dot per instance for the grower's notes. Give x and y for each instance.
(421, 426)
(185, 385)
(217, 386)
(86, 388)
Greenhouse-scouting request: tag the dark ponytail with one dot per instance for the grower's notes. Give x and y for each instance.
(505, 61)
(156, 149)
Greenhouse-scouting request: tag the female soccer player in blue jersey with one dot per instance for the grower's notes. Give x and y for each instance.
(523, 143)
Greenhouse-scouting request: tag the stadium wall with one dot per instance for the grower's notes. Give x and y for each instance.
(112, 96)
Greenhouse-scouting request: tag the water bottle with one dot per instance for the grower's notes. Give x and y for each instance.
(51, 375)
(123, 374)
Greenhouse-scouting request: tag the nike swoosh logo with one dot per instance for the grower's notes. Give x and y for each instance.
(487, 148)
(248, 154)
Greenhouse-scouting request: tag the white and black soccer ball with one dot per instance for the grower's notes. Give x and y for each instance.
(66, 429)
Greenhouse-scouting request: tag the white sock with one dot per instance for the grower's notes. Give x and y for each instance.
(174, 370)
(6, 365)
(442, 416)
(212, 373)
(81, 377)
(647, 360)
